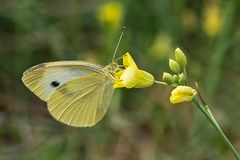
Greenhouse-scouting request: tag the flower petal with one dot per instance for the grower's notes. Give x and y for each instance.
(128, 60)
(179, 99)
(118, 74)
(130, 77)
(118, 84)
(145, 79)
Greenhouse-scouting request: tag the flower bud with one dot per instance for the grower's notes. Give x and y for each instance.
(175, 78)
(174, 66)
(168, 78)
(182, 78)
(180, 58)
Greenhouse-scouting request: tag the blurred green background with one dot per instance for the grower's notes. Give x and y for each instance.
(140, 123)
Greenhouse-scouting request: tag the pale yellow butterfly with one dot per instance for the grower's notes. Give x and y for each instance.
(77, 93)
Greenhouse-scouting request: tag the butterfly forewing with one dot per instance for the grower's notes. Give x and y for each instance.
(45, 78)
(82, 101)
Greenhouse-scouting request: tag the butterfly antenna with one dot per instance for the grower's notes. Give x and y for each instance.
(119, 40)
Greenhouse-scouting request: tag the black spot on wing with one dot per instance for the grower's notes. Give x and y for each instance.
(55, 83)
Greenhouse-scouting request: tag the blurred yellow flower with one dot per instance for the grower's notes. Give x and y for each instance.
(162, 46)
(110, 14)
(131, 76)
(212, 20)
(182, 94)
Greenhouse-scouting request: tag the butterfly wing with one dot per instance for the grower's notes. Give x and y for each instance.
(45, 78)
(81, 102)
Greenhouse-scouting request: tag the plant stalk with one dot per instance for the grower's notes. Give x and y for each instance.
(208, 114)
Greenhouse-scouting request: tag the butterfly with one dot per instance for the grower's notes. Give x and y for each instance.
(77, 93)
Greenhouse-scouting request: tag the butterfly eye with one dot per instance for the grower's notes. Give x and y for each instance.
(55, 83)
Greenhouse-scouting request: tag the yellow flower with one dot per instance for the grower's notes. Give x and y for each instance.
(110, 14)
(212, 21)
(182, 94)
(131, 76)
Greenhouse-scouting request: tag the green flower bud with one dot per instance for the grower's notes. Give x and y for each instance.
(180, 57)
(175, 78)
(174, 66)
(168, 78)
(182, 77)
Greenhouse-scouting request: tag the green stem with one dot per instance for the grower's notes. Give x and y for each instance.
(208, 114)
(164, 83)
(211, 115)
(160, 82)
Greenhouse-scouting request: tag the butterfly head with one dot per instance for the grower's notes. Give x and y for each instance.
(111, 69)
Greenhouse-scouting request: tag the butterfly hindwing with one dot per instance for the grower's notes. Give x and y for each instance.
(45, 78)
(83, 101)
